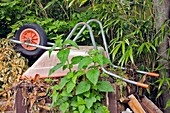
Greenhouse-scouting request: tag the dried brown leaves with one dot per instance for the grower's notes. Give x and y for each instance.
(12, 65)
(34, 91)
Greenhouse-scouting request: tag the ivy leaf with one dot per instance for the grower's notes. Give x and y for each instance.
(70, 86)
(70, 42)
(105, 86)
(64, 106)
(81, 108)
(63, 55)
(56, 67)
(84, 62)
(93, 75)
(82, 87)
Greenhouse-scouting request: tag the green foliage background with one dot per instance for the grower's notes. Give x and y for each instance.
(128, 24)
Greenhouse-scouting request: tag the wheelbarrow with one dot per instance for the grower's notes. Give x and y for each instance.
(32, 40)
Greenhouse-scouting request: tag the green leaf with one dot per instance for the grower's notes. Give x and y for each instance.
(160, 93)
(89, 102)
(69, 75)
(167, 104)
(54, 96)
(76, 60)
(93, 75)
(115, 50)
(79, 73)
(82, 2)
(63, 82)
(74, 101)
(106, 61)
(82, 87)
(70, 4)
(98, 59)
(70, 86)
(55, 87)
(56, 67)
(160, 84)
(87, 111)
(63, 55)
(75, 112)
(58, 43)
(84, 62)
(70, 42)
(64, 106)
(80, 100)
(66, 94)
(105, 86)
(52, 48)
(141, 48)
(48, 5)
(86, 94)
(123, 47)
(131, 55)
(81, 108)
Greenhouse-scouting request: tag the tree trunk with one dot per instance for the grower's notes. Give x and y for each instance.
(162, 11)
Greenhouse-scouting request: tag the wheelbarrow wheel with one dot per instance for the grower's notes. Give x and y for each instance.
(34, 34)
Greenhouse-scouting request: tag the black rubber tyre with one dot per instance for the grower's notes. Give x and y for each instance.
(42, 39)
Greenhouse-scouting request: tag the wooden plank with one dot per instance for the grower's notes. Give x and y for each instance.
(113, 101)
(150, 106)
(135, 105)
(19, 107)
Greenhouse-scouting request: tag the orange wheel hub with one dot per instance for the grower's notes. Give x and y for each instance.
(30, 36)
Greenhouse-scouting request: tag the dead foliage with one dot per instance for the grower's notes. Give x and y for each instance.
(12, 65)
(36, 95)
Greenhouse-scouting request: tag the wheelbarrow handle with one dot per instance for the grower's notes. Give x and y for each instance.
(142, 85)
(153, 74)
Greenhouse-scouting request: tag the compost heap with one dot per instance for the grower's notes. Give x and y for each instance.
(12, 65)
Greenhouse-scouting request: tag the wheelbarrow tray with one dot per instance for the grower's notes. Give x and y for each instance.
(43, 65)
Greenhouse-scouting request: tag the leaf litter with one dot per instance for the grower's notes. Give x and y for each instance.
(34, 91)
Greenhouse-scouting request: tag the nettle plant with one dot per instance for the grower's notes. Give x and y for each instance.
(81, 90)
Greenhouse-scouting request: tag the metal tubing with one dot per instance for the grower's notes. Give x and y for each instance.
(34, 45)
(126, 80)
(114, 75)
(106, 47)
(90, 31)
(49, 43)
(102, 31)
(93, 41)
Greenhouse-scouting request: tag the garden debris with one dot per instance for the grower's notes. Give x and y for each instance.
(12, 66)
(34, 96)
